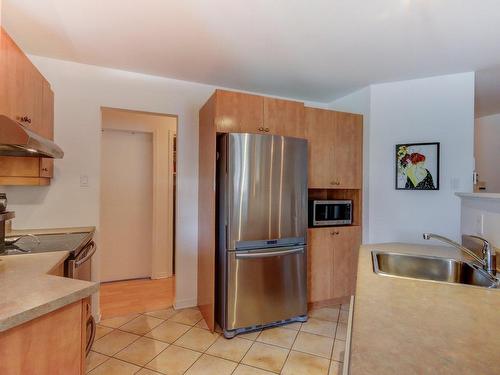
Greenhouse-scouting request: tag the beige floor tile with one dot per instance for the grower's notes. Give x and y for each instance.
(301, 364)
(335, 368)
(264, 356)
(141, 325)
(250, 335)
(187, 316)
(145, 371)
(197, 339)
(248, 370)
(115, 367)
(338, 350)
(113, 342)
(202, 324)
(234, 349)
(314, 344)
(168, 331)
(344, 316)
(326, 313)
(93, 360)
(117, 321)
(162, 314)
(278, 336)
(141, 351)
(341, 331)
(319, 327)
(173, 360)
(295, 326)
(101, 331)
(208, 365)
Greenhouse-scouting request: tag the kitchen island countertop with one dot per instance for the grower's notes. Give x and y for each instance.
(407, 326)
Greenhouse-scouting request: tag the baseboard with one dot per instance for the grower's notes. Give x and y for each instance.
(184, 303)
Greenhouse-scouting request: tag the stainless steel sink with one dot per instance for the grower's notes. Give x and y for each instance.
(431, 268)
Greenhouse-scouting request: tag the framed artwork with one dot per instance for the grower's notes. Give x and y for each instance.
(417, 166)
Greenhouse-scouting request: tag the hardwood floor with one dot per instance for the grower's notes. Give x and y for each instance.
(136, 296)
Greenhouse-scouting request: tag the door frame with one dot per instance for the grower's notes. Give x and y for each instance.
(163, 188)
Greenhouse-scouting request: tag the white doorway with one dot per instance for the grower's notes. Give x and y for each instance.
(137, 195)
(127, 203)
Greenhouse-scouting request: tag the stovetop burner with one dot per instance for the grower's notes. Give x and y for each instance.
(43, 243)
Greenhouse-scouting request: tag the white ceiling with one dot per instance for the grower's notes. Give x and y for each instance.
(312, 50)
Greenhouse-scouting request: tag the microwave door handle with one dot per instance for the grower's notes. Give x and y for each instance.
(89, 254)
(268, 254)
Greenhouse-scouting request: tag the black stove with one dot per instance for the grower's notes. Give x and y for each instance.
(72, 242)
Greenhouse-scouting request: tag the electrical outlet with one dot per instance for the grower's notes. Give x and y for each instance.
(84, 181)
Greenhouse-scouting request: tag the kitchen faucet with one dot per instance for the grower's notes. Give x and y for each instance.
(488, 261)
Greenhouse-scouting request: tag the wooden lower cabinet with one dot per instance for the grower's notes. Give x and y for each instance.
(332, 262)
(51, 344)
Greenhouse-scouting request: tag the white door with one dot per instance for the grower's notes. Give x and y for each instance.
(126, 205)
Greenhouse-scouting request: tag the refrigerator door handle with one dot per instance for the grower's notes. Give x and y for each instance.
(268, 254)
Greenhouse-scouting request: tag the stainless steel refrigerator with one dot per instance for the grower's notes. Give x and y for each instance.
(262, 231)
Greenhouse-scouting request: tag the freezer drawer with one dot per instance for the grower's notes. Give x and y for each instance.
(265, 286)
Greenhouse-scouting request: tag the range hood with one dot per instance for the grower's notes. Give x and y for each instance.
(17, 140)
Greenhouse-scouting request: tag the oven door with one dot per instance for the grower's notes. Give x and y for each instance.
(265, 286)
(80, 268)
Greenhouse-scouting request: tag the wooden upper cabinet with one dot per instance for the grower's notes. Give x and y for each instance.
(23, 86)
(320, 132)
(348, 150)
(335, 149)
(237, 112)
(284, 117)
(26, 97)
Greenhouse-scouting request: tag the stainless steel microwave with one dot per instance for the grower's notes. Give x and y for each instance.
(323, 213)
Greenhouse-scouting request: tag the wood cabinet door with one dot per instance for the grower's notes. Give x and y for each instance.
(284, 117)
(47, 128)
(320, 258)
(346, 242)
(348, 150)
(320, 132)
(22, 85)
(237, 112)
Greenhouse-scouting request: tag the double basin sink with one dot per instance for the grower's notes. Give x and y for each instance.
(432, 268)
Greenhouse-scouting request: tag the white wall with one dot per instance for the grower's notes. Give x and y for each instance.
(437, 109)
(487, 151)
(359, 102)
(481, 217)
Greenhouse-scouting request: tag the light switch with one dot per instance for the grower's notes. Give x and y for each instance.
(480, 224)
(84, 181)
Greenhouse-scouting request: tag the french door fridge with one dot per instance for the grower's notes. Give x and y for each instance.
(262, 231)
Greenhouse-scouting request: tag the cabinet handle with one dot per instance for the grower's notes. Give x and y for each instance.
(261, 129)
(45, 169)
(335, 233)
(24, 119)
(267, 130)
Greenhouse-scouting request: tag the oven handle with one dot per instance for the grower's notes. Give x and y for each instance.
(89, 253)
(269, 254)
(90, 340)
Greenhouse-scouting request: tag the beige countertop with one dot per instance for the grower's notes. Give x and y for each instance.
(405, 326)
(18, 232)
(27, 291)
